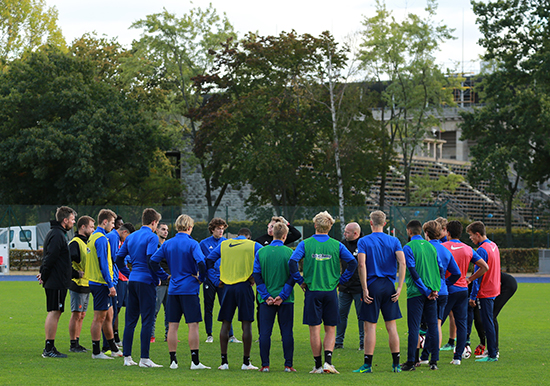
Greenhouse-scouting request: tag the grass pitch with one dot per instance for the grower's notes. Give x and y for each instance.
(524, 333)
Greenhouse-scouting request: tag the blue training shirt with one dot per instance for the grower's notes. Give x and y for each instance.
(102, 248)
(209, 244)
(379, 249)
(114, 241)
(141, 245)
(185, 260)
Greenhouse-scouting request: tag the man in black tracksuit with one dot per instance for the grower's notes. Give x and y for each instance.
(351, 291)
(55, 275)
(293, 233)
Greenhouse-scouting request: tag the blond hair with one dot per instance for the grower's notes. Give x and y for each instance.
(323, 222)
(378, 218)
(279, 230)
(184, 223)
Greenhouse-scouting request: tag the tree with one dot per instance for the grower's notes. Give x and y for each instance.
(332, 85)
(257, 102)
(399, 56)
(426, 186)
(26, 25)
(70, 137)
(511, 129)
(169, 54)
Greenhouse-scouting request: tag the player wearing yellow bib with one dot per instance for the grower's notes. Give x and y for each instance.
(79, 289)
(237, 262)
(99, 272)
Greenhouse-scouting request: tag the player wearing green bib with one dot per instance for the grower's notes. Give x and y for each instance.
(321, 256)
(275, 295)
(423, 278)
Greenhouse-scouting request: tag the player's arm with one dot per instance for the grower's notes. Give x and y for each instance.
(155, 260)
(260, 284)
(400, 257)
(213, 257)
(102, 249)
(199, 258)
(50, 258)
(297, 255)
(74, 250)
(476, 283)
(411, 266)
(480, 263)
(152, 248)
(346, 255)
(453, 269)
(121, 256)
(362, 270)
(293, 234)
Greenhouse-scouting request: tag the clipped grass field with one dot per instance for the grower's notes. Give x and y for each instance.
(524, 335)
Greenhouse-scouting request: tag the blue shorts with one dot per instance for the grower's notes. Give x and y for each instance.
(121, 293)
(102, 300)
(380, 290)
(441, 304)
(239, 296)
(321, 307)
(187, 305)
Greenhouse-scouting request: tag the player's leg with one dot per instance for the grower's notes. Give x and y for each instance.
(286, 325)
(147, 298)
(358, 301)
(267, 316)
(131, 318)
(344, 305)
(486, 312)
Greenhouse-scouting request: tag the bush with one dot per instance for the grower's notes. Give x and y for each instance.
(519, 260)
(21, 259)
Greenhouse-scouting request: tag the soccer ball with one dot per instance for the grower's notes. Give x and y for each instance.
(467, 353)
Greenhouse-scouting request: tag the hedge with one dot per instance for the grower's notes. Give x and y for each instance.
(24, 259)
(519, 260)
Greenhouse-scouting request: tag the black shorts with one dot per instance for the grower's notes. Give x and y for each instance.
(55, 299)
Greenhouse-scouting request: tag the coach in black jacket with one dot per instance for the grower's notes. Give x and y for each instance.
(293, 233)
(55, 275)
(351, 291)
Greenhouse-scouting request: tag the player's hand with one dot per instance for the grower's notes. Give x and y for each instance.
(284, 220)
(303, 286)
(468, 280)
(433, 295)
(278, 301)
(395, 296)
(197, 277)
(251, 280)
(112, 292)
(39, 278)
(366, 297)
(270, 301)
(472, 303)
(80, 274)
(221, 284)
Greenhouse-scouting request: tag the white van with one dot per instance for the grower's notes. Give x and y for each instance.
(27, 237)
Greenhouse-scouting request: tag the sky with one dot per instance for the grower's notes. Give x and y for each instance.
(113, 18)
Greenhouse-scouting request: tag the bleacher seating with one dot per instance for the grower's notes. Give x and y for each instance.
(472, 203)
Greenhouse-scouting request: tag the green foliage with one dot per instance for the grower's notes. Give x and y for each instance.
(426, 186)
(400, 56)
(172, 50)
(520, 260)
(68, 135)
(26, 25)
(511, 128)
